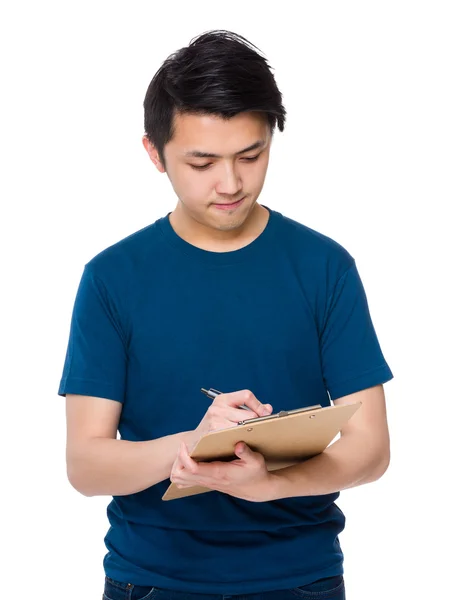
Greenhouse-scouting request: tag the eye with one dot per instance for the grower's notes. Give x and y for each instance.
(200, 167)
(251, 158)
(205, 167)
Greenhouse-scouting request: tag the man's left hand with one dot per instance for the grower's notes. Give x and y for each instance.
(245, 477)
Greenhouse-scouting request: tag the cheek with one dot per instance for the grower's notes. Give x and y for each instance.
(256, 179)
(192, 186)
(197, 187)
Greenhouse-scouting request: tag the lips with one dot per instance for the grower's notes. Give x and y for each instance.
(229, 203)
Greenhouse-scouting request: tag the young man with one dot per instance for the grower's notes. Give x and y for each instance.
(226, 293)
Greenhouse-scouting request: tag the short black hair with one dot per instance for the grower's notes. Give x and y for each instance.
(219, 73)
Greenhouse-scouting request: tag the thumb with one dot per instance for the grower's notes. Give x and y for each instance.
(242, 450)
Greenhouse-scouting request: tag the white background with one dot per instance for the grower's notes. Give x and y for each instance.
(365, 159)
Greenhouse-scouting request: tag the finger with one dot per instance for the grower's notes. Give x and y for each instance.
(243, 451)
(236, 415)
(207, 474)
(186, 461)
(246, 398)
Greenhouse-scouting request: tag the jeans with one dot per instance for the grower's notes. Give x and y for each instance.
(330, 588)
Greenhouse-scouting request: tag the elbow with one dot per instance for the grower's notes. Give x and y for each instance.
(78, 479)
(381, 466)
(385, 461)
(80, 488)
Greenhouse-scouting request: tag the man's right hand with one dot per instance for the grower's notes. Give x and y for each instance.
(225, 412)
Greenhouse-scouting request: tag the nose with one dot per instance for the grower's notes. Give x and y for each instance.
(230, 182)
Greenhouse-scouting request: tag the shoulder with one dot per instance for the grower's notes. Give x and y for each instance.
(127, 255)
(311, 247)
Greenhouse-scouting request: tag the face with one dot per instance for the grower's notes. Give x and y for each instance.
(217, 169)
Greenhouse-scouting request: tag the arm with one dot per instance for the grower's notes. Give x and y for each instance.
(361, 455)
(99, 464)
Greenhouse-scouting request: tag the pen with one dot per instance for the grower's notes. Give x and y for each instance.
(211, 393)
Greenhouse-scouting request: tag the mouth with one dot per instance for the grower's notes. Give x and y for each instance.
(230, 205)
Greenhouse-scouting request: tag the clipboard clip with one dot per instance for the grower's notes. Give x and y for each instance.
(282, 413)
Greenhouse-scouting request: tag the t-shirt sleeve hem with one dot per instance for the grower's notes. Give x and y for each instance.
(89, 387)
(377, 376)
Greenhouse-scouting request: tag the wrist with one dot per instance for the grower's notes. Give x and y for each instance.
(190, 438)
(278, 486)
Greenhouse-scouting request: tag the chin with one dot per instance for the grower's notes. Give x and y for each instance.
(229, 227)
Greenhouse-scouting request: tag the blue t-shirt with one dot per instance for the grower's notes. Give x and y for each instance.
(155, 319)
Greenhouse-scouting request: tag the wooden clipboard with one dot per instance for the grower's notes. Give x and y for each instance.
(284, 439)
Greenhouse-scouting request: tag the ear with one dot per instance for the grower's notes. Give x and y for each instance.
(153, 154)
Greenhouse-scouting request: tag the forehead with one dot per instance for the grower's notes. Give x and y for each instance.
(214, 134)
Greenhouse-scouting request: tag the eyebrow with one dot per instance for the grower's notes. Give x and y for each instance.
(198, 154)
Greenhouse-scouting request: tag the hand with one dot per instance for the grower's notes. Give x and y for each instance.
(225, 412)
(246, 477)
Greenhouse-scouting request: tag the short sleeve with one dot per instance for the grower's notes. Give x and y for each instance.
(351, 356)
(96, 359)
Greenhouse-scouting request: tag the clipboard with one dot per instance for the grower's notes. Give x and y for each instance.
(285, 439)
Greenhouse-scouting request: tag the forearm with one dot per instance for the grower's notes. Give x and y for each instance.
(108, 467)
(349, 462)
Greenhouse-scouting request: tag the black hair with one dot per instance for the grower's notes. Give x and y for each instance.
(219, 73)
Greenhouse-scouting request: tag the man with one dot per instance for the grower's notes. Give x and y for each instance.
(225, 293)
